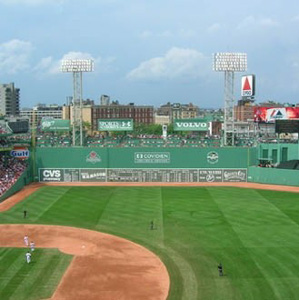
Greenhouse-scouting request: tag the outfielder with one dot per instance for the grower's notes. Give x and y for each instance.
(28, 257)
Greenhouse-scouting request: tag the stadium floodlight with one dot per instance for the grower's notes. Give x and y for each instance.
(229, 63)
(232, 62)
(77, 67)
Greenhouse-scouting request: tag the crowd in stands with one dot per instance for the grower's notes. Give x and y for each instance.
(20, 139)
(51, 140)
(4, 129)
(142, 140)
(4, 143)
(153, 141)
(11, 169)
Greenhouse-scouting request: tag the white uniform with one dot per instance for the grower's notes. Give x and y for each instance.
(26, 240)
(28, 257)
(32, 246)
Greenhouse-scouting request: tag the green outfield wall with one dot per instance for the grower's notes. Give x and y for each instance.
(154, 164)
(153, 157)
(144, 164)
(273, 176)
(275, 153)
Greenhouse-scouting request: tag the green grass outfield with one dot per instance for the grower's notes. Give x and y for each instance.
(254, 233)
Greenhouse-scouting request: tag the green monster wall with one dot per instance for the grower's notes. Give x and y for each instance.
(145, 157)
(143, 164)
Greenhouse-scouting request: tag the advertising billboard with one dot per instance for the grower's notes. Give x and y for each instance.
(115, 124)
(248, 86)
(141, 175)
(271, 114)
(190, 125)
(51, 175)
(152, 157)
(20, 152)
(55, 125)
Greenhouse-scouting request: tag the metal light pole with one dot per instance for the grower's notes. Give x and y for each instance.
(229, 63)
(77, 67)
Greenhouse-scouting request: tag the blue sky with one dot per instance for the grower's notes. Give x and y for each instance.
(148, 52)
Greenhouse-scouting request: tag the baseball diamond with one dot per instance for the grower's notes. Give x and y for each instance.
(151, 223)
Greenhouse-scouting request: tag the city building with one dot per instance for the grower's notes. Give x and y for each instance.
(105, 100)
(161, 119)
(40, 111)
(9, 100)
(91, 114)
(244, 110)
(141, 114)
(178, 111)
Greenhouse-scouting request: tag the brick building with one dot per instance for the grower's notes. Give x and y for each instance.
(244, 110)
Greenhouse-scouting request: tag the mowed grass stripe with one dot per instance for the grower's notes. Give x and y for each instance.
(226, 248)
(11, 262)
(78, 207)
(129, 213)
(252, 218)
(45, 263)
(186, 216)
(248, 209)
(16, 275)
(248, 231)
(285, 202)
(25, 281)
(36, 205)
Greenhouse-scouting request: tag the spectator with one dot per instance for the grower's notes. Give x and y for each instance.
(11, 169)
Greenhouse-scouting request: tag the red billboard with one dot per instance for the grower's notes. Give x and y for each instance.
(271, 114)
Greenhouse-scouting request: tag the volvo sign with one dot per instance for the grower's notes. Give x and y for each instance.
(191, 125)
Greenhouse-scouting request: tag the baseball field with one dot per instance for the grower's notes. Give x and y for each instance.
(253, 233)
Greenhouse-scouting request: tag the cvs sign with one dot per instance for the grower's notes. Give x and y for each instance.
(51, 174)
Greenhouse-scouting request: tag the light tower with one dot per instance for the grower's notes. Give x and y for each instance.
(229, 63)
(77, 67)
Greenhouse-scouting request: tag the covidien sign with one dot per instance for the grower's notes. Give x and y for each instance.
(152, 157)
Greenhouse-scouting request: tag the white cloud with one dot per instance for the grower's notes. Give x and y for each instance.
(165, 34)
(187, 33)
(31, 2)
(14, 56)
(268, 22)
(295, 19)
(176, 63)
(251, 22)
(50, 66)
(214, 27)
(181, 33)
(146, 34)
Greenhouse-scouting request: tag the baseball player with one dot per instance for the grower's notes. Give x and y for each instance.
(28, 257)
(220, 269)
(32, 246)
(152, 225)
(26, 240)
